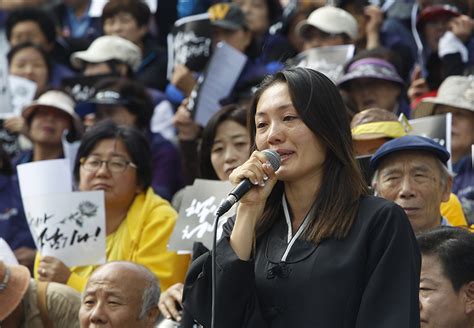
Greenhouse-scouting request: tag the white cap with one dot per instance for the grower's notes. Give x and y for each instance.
(331, 20)
(109, 47)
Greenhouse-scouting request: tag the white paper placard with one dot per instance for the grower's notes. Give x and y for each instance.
(328, 60)
(69, 226)
(44, 177)
(6, 253)
(222, 73)
(197, 215)
(5, 98)
(22, 92)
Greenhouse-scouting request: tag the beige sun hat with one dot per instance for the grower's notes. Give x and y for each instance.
(456, 91)
(14, 282)
(330, 20)
(109, 47)
(55, 99)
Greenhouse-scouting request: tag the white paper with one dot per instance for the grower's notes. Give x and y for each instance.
(222, 73)
(436, 127)
(6, 109)
(69, 226)
(328, 60)
(6, 253)
(197, 215)
(449, 120)
(96, 7)
(44, 177)
(22, 93)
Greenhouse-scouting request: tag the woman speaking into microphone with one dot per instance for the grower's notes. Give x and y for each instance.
(308, 246)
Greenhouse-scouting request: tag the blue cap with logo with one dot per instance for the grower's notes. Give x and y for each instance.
(409, 143)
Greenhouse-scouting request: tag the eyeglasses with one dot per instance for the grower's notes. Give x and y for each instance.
(116, 165)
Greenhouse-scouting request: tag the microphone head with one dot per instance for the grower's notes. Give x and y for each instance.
(273, 158)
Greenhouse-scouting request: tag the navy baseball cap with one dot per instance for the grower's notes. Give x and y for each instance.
(409, 143)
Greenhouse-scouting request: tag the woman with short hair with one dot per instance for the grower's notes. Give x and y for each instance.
(117, 160)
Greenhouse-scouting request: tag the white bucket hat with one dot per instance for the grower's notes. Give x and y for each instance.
(55, 99)
(109, 47)
(456, 91)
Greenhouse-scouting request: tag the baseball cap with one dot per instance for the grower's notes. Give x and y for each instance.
(55, 99)
(375, 68)
(14, 282)
(228, 16)
(409, 143)
(436, 11)
(109, 47)
(330, 20)
(456, 91)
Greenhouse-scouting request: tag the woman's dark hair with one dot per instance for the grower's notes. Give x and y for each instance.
(24, 45)
(320, 106)
(229, 112)
(454, 248)
(135, 142)
(138, 101)
(45, 21)
(137, 8)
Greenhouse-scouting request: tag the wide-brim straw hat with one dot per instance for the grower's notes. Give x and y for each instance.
(455, 91)
(14, 282)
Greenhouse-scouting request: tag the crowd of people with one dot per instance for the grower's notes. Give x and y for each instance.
(364, 224)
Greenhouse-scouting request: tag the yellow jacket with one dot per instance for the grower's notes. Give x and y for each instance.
(142, 238)
(452, 211)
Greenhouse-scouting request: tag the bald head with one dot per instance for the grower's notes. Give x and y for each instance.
(120, 294)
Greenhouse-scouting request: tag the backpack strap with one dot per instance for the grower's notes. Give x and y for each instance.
(42, 303)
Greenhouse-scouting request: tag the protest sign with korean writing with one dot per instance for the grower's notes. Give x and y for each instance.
(197, 214)
(69, 226)
(65, 224)
(189, 43)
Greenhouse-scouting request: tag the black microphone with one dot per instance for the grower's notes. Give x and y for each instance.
(241, 189)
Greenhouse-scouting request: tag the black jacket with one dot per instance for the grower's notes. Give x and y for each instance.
(368, 279)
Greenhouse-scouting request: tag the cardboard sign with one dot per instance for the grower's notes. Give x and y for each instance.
(190, 43)
(69, 226)
(197, 214)
(327, 60)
